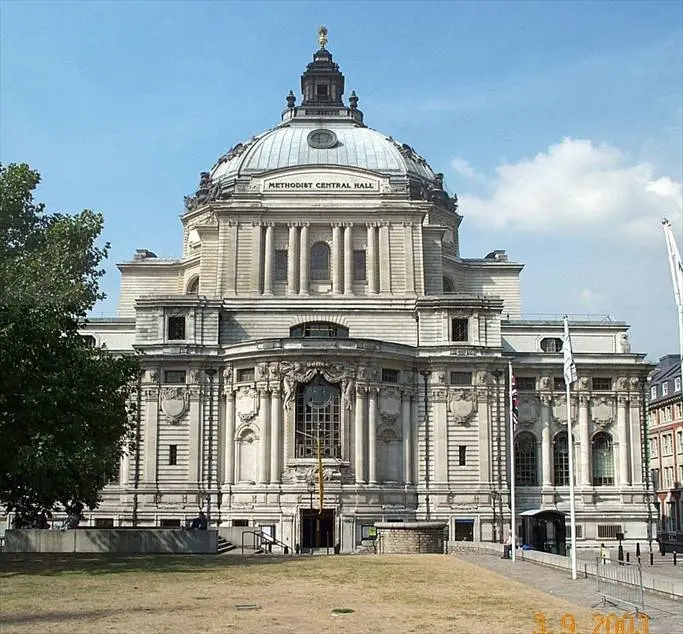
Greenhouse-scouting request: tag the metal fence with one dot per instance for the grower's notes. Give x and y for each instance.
(620, 584)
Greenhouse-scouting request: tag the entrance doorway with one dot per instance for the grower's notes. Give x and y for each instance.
(317, 528)
(464, 531)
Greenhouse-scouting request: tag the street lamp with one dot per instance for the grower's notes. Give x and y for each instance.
(310, 485)
(210, 373)
(425, 375)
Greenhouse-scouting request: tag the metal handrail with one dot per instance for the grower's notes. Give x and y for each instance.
(264, 537)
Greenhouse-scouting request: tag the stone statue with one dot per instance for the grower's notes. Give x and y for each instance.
(624, 345)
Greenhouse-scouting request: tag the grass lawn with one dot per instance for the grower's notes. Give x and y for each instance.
(198, 593)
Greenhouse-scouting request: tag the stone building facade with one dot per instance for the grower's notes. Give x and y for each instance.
(321, 301)
(665, 433)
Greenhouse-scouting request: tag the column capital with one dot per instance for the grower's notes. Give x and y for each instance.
(622, 399)
(546, 399)
(293, 225)
(336, 225)
(584, 399)
(269, 224)
(347, 224)
(371, 225)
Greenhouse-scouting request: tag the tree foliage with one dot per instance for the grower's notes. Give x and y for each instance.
(64, 406)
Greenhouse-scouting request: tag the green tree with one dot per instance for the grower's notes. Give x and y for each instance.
(65, 411)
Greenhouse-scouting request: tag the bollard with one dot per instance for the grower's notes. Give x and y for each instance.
(652, 557)
(628, 558)
(620, 554)
(638, 550)
(674, 557)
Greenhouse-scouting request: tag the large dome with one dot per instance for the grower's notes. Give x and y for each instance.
(290, 146)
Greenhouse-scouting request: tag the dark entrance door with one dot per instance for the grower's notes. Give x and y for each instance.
(464, 530)
(317, 529)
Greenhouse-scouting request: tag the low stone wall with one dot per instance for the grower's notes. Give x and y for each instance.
(111, 540)
(410, 537)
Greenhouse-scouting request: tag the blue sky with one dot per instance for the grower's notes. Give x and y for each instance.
(557, 123)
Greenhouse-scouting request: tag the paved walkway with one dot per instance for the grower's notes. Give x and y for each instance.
(662, 566)
(666, 615)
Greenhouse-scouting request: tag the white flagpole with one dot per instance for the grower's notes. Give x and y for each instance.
(569, 378)
(513, 523)
(677, 279)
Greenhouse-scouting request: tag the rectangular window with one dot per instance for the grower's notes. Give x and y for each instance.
(558, 384)
(462, 454)
(679, 441)
(602, 384)
(240, 523)
(665, 388)
(104, 522)
(654, 448)
(169, 523)
(280, 265)
(677, 384)
(174, 376)
(608, 531)
(680, 473)
(526, 383)
(359, 265)
(173, 455)
(461, 378)
(653, 391)
(389, 376)
(654, 479)
(459, 329)
(579, 531)
(666, 447)
(245, 374)
(176, 327)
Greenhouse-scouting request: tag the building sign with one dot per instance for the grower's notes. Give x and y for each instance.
(320, 183)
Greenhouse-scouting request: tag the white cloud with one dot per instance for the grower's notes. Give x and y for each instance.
(594, 299)
(463, 167)
(575, 186)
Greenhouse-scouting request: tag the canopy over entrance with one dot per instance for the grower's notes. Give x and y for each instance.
(544, 529)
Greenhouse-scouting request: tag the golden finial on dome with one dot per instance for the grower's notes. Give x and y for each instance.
(322, 36)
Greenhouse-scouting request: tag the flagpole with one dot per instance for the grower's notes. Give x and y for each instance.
(569, 378)
(513, 523)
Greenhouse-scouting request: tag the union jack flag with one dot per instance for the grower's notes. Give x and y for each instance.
(514, 401)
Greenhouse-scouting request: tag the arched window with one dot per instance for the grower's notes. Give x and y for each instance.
(603, 460)
(318, 419)
(193, 286)
(525, 460)
(448, 286)
(320, 262)
(561, 460)
(319, 329)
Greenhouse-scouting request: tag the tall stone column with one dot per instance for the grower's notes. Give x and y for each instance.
(293, 260)
(229, 441)
(275, 436)
(636, 444)
(336, 259)
(264, 428)
(384, 259)
(194, 450)
(546, 447)
(484, 436)
(415, 438)
(407, 437)
(359, 447)
(268, 261)
(372, 435)
(124, 468)
(348, 259)
(624, 449)
(585, 441)
(257, 231)
(303, 261)
(151, 431)
(371, 263)
(409, 257)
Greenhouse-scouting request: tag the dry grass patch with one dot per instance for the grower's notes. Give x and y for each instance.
(388, 594)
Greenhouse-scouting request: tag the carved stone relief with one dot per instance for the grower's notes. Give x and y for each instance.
(174, 402)
(295, 373)
(390, 405)
(463, 404)
(529, 408)
(306, 473)
(602, 412)
(246, 403)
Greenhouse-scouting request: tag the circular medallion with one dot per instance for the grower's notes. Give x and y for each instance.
(322, 139)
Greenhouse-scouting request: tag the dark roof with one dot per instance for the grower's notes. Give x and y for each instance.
(668, 369)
